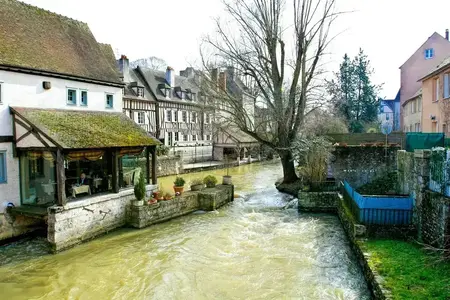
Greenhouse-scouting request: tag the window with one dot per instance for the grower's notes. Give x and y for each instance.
(429, 53)
(0, 93)
(109, 101)
(419, 101)
(185, 138)
(207, 119)
(194, 137)
(436, 89)
(141, 117)
(446, 86)
(169, 139)
(177, 136)
(184, 117)
(208, 137)
(194, 117)
(72, 97)
(175, 116)
(2, 166)
(387, 116)
(140, 92)
(168, 116)
(84, 98)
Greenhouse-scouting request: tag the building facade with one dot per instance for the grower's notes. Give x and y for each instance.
(412, 113)
(435, 99)
(389, 112)
(427, 57)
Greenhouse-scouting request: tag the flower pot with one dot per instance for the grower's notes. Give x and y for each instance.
(178, 189)
(156, 195)
(226, 180)
(137, 202)
(152, 201)
(197, 187)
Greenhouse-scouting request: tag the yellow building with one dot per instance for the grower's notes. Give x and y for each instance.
(412, 113)
(436, 99)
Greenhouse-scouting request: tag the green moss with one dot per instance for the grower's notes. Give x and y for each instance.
(409, 272)
(83, 129)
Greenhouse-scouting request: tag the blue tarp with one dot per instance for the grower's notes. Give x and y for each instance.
(381, 202)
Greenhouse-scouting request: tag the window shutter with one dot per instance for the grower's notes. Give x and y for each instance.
(446, 86)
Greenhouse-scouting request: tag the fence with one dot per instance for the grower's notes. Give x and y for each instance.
(440, 171)
(380, 210)
(362, 138)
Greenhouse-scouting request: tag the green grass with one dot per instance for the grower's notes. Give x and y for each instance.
(409, 271)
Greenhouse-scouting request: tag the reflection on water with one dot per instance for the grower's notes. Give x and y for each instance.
(253, 248)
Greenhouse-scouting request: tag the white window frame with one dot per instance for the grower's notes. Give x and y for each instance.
(140, 90)
(141, 113)
(67, 96)
(185, 138)
(194, 137)
(436, 87)
(193, 117)
(106, 100)
(446, 90)
(176, 136)
(168, 115)
(5, 169)
(175, 116)
(1, 92)
(169, 139)
(184, 117)
(81, 97)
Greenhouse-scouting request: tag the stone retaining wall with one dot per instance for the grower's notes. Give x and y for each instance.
(14, 226)
(165, 165)
(317, 201)
(82, 220)
(208, 200)
(435, 215)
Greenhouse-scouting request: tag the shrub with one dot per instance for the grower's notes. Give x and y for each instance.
(210, 181)
(139, 188)
(162, 150)
(179, 181)
(196, 182)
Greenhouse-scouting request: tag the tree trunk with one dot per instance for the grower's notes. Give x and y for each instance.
(289, 174)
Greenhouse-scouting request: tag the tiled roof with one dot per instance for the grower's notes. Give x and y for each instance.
(78, 129)
(444, 64)
(238, 135)
(31, 37)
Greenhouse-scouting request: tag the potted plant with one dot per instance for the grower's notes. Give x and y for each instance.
(227, 178)
(160, 195)
(139, 191)
(197, 185)
(210, 181)
(167, 196)
(178, 186)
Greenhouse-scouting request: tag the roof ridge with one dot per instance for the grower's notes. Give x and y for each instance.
(48, 11)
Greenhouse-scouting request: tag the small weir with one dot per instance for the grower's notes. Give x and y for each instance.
(258, 247)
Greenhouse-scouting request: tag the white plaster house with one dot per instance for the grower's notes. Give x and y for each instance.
(60, 105)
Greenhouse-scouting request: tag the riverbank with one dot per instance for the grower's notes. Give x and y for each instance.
(408, 271)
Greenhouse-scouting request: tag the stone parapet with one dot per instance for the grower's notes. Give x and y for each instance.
(208, 200)
(317, 201)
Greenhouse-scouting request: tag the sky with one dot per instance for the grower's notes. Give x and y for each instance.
(389, 31)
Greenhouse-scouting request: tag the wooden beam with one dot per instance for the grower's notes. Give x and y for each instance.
(115, 171)
(153, 152)
(147, 163)
(60, 178)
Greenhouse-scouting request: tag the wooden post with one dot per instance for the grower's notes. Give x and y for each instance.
(147, 163)
(153, 152)
(115, 171)
(60, 178)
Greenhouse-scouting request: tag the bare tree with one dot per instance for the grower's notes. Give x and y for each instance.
(152, 62)
(280, 59)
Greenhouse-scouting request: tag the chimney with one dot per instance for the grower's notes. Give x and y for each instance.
(446, 35)
(189, 72)
(124, 68)
(230, 71)
(214, 76)
(223, 81)
(170, 76)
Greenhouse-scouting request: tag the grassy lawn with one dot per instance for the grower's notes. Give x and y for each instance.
(409, 272)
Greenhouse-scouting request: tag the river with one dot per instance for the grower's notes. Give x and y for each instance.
(253, 248)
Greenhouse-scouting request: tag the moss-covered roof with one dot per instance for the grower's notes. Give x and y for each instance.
(32, 37)
(73, 129)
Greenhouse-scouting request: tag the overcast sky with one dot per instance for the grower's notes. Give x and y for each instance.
(389, 31)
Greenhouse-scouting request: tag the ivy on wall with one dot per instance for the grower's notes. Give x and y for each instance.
(386, 184)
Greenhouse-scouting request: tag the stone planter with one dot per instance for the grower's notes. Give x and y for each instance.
(137, 202)
(226, 180)
(211, 185)
(197, 187)
(178, 189)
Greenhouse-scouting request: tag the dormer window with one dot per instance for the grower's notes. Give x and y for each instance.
(429, 53)
(168, 92)
(140, 92)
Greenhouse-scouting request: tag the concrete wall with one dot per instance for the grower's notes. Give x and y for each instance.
(208, 200)
(26, 90)
(360, 165)
(79, 221)
(9, 191)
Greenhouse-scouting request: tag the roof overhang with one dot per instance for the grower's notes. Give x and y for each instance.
(435, 72)
(40, 72)
(51, 129)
